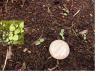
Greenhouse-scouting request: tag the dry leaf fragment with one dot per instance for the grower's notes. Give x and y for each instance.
(84, 34)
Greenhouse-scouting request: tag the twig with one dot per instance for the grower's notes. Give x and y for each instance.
(72, 4)
(7, 57)
(76, 13)
(5, 62)
(49, 57)
(23, 2)
(7, 1)
(6, 6)
(12, 1)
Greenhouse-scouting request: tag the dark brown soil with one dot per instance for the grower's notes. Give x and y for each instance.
(43, 18)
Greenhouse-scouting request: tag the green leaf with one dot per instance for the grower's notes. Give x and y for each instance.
(39, 41)
(17, 31)
(7, 40)
(10, 37)
(12, 27)
(11, 34)
(0, 23)
(15, 37)
(22, 30)
(3, 25)
(21, 25)
(16, 25)
(65, 14)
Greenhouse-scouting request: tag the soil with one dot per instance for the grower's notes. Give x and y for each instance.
(44, 18)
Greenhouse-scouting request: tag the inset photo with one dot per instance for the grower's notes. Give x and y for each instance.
(47, 35)
(12, 32)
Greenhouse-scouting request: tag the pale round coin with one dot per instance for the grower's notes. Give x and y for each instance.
(59, 49)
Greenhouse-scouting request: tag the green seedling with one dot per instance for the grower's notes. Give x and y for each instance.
(39, 41)
(65, 12)
(62, 34)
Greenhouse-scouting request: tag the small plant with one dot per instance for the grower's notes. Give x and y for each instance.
(39, 41)
(12, 32)
(62, 34)
(65, 11)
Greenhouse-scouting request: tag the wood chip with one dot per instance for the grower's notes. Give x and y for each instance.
(25, 50)
(83, 32)
(23, 66)
(76, 13)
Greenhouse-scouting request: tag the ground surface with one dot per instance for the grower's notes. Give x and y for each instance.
(44, 18)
